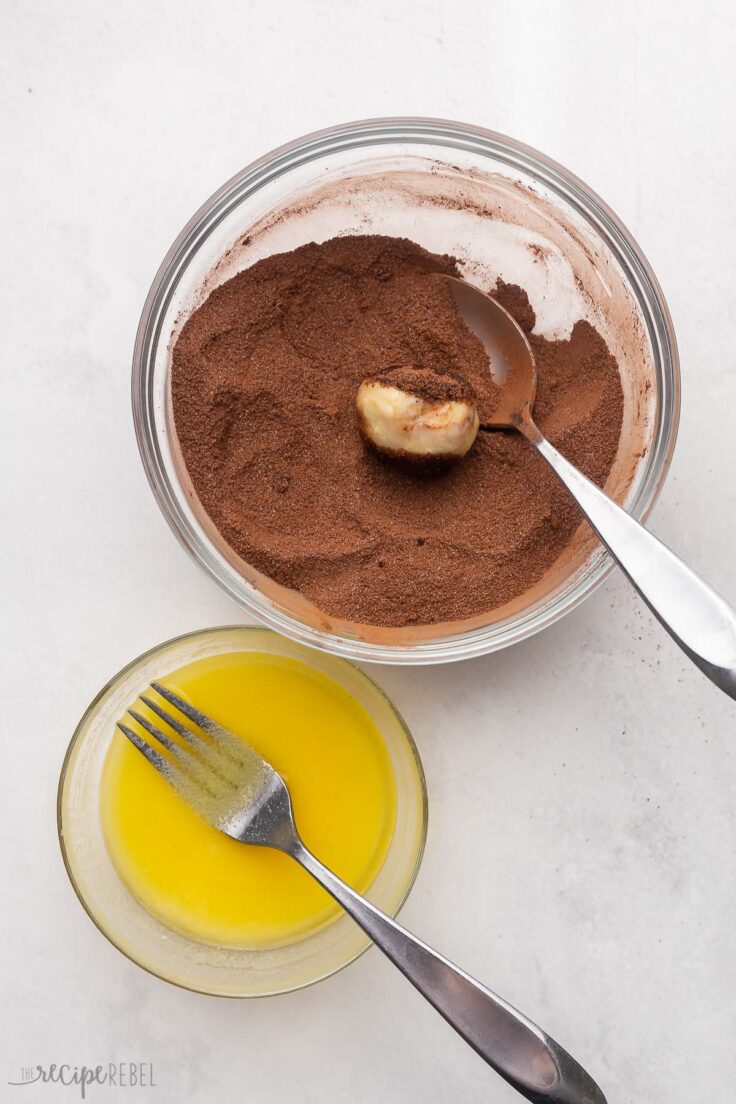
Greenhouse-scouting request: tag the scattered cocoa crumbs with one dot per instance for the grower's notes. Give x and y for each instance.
(264, 376)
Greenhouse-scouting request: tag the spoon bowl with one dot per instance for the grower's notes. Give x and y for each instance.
(510, 355)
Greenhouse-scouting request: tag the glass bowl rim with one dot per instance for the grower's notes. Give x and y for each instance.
(642, 282)
(77, 735)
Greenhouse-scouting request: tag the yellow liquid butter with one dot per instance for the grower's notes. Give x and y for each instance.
(339, 774)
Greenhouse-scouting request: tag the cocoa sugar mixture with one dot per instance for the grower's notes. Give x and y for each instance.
(264, 378)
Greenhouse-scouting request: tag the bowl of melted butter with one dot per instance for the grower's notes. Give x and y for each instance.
(195, 907)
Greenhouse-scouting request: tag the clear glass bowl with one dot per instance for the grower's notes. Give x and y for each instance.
(205, 968)
(504, 210)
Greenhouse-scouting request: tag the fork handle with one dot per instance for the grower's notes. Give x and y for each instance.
(533, 1063)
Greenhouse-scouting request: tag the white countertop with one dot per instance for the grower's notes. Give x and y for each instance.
(582, 839)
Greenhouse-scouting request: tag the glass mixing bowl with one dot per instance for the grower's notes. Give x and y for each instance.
(503, 210)
(202, 967)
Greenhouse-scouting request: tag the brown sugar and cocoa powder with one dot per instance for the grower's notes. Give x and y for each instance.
(264, 378)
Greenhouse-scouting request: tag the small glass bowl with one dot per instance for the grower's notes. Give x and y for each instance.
(504, 210)
(168, 954)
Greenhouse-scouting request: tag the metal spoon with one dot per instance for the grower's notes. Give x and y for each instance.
(697, 618)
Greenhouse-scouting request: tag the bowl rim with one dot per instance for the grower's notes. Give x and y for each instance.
(77, 735)
(588, 205)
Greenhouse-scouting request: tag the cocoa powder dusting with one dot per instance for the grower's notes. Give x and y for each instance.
(264, 377)
(444, 386)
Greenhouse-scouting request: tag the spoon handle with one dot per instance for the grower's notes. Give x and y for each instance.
(533, 1063)
(695, 616)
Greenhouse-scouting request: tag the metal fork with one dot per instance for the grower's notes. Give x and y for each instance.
(239, 793)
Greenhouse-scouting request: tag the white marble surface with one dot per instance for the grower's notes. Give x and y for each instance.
(582, 843)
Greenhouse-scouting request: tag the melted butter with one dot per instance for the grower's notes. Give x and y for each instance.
(331, 755)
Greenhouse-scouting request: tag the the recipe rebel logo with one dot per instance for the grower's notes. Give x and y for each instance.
(115, 1075)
